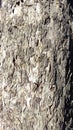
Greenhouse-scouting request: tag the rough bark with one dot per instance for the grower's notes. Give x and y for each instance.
(36, 65)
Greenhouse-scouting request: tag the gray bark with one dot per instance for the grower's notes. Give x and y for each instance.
(36, 65)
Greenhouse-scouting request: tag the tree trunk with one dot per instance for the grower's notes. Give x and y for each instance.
(36, 65)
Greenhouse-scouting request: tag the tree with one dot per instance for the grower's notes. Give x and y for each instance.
(36, 65)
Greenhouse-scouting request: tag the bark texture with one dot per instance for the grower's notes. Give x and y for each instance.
(36, 65)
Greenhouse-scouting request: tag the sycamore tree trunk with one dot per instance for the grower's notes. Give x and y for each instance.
(36, 65)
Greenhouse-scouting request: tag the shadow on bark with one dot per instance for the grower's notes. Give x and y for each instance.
(68, 108)
(70, 3)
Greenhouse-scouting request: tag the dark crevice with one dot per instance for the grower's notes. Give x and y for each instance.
(55, 67)
(22, 1)
(18, 3)
(14, 61)
(47, 20)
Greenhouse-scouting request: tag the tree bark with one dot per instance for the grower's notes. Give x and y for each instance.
(36, 65)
